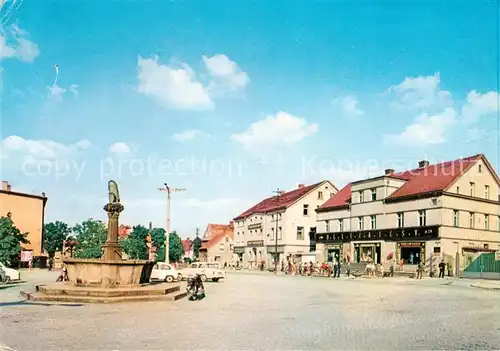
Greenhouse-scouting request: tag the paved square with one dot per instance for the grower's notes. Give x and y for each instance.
(263, 312)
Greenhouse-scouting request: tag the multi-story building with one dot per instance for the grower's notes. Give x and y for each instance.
(284, 224)
(218, 243)
(27, 211)
(432, 213)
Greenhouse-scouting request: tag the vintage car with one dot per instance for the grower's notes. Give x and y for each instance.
(206, 270)
(166, 272)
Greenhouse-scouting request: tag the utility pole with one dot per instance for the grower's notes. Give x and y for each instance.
(276, 257)
(169, 191)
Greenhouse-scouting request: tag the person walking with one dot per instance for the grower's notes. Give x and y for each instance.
(420, 269)
(441, 266)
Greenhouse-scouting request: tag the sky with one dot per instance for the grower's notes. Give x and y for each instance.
(231, 100)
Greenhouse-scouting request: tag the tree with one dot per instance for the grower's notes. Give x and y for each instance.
(196, 245)
(135, 244)
(11, 239)
(90, 235)
(175, 247)
(55, 234)
(158, 240)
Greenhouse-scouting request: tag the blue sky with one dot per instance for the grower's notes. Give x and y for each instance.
(234, 99)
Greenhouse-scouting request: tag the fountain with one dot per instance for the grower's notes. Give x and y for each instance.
(110, 278)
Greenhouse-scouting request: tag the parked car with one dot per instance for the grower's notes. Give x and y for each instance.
(206, 270)
(10, 273)
(165, 272)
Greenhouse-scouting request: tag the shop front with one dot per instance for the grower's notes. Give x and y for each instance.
(239, 252)
(256, 252)
(333, 252)
(367, 252)
(411, 252)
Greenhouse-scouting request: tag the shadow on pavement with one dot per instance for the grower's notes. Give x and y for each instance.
(28, 303)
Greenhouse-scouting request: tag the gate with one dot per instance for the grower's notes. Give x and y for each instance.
(483, 266)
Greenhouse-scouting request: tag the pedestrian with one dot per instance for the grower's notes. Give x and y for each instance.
(30, 264)
(441, 266)
(420, 269)
(391, 270)
(348, 268)
(336, 271)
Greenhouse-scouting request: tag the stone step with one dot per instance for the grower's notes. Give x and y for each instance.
(39, 296)
(67, 290)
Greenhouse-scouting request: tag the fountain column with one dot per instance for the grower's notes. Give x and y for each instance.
(111, 249)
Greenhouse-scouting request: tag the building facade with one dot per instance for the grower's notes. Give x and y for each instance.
(27, 211)
(217, 244)
(281, 225)
(432, 213)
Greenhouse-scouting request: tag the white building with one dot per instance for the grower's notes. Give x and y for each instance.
(284, 223)
(433, 212)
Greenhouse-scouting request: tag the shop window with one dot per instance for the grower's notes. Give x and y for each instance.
(437, 249)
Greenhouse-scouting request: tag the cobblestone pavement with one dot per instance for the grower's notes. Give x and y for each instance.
(264, 312)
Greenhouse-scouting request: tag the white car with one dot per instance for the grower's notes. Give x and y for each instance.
(165, 272)
(207, 270)
(10, 273)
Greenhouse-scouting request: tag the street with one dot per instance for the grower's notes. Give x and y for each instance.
(265, 312)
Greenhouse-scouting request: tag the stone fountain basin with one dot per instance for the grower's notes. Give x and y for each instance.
(108, 273)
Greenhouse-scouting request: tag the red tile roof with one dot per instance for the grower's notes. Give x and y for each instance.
(187, 244)
(423, 180)
(124, 230)
(216, 233)
(285, 200)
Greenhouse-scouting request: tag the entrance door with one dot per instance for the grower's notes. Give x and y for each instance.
(410, 255)
(332, 255)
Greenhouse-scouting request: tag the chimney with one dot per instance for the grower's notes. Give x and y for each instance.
(423, 164)
(301, 186)
(43, 195)
(389, 171)
(5, 185)
(231, 223)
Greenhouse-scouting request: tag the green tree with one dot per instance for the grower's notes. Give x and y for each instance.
(11, 239)
(135, 244)
(54, 235)
(175, 247)
(196, 245)
(90, 235)
(158, 239)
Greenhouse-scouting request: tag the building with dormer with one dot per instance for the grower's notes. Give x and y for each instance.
(431, 213)
(284, 224)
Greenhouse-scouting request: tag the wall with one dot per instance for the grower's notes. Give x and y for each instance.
(27, 215)
(223, 248)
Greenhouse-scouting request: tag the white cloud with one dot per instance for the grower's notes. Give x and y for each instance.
(479, 105)
(281, 129)
(420, 93)
(83, 144)
(56, 92)
(174, 88)
(227, 75)
(120, 148)
(349, 105)
(19, 147)
(17, 45)
(425, 129)
(188, 135)
(213, 204)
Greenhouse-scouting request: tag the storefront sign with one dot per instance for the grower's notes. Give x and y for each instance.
(412, 244)
(239, 250)
(26, 256)
(397, 234)
(255, 226)
(255, 243)
(272, 249)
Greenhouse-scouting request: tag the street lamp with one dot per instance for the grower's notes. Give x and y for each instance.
(276, 257)
(169, 191)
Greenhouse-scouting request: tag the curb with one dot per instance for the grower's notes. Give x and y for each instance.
(484, 287)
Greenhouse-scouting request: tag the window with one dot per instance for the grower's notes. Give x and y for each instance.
(374, 222)
(360, 223)
(272, 233)
(437, 249)
(486, 222)
(227, 239)
(341, 224)
(373, 194)
(231, 247)
(305, 211)
(487, 192)
(401, 220)
(498, 223)
(480, 168)
(327, 228)
(471, 220)
(320, 195)
(280, 233)
(300, 233)
(456, 218)
(361, 197)
(422, 220)
(222, 246)
(472, 189)
(458, 190)
(486, 246)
